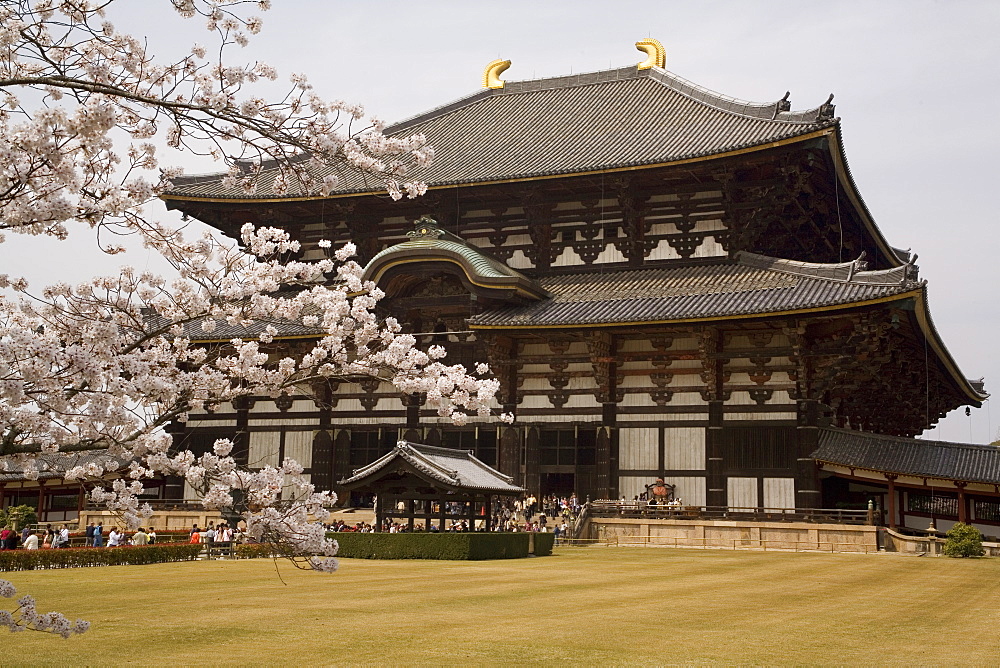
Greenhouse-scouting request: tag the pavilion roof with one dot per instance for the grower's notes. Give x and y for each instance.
(429, 242)
(909, 456)
(56, 465)
(458, 469)
(595, 121)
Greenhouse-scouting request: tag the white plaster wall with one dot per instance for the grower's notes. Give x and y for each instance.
(610, 254)
(741, 493)
(637, 448)
(636, 399)
(298, 446)
(211, 423)
(709, 247)
(779, 493)
(264, 446)
(663, 251)
(567, 258)
(689, 489)
(518, 260)
(630, 487)
(756, 417)
(684, 448)
(634, 346)
(518, 240)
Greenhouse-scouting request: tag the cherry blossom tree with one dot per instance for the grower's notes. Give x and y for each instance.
(87, 117)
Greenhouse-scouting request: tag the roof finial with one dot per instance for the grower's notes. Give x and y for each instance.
(656, 54)
(491, 75)
(826, 109)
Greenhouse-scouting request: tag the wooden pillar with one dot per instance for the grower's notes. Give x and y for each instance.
(807, 489)
(442, 509)
(714, 464)
(892, 501)
(532, 461)
(963, 503)
(603, 487)
(488, 508)
(379, 502)
(509, 452)
(409, 514)
(41, 501)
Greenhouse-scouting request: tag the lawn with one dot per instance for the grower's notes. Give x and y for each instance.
(582, 605)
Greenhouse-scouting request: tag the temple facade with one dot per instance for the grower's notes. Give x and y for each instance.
(667, 282)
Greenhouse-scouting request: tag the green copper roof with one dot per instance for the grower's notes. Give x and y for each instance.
(429, 242)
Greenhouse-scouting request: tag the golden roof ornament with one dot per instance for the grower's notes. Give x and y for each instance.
(491, 76)
(656, 55)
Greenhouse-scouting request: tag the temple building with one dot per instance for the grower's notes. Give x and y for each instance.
(666, 281)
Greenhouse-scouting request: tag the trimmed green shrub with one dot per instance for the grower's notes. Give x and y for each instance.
(76, 557)
(964, 540)
(452, 546)
(544, 543)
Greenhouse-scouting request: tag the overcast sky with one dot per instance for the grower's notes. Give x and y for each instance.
(915, 83)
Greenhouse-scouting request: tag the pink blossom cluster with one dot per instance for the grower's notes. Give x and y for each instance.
(27, 618)
(108, 363)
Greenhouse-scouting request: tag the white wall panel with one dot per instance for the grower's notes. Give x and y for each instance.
(709, 247)
(689, 489)
(663, 251)
(630, 486)
(741, 493)
(636, 399)
(264, 446)
(779, 493)
(567, 258)
(637, 448)
(684, 449)
(298, 446)
(518, 260)
(610, 254)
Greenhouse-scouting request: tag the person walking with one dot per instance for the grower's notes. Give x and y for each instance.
(99, 535)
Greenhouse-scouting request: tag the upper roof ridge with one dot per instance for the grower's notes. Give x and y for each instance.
(779, 110)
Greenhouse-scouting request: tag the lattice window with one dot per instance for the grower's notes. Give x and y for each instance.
(939, 506)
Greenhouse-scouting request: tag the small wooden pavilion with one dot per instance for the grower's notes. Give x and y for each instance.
(428, 483)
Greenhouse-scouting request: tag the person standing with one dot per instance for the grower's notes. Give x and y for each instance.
(140, 537)
(152, 536)
(99, 535)
(114, 538)
(31, 542)
(5, 537)
(63, 536)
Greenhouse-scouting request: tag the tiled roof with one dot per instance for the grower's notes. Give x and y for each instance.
(223, 331)
(55, 465)
(564, 125)
(753, 284)
(909, 456)
(454, 468)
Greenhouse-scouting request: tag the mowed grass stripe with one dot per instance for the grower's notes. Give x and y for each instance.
(608, 606)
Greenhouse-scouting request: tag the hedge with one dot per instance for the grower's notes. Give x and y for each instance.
(544, 543)
(75, 557)
(453, 546)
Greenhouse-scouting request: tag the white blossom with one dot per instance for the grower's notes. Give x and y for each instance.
(107, 364)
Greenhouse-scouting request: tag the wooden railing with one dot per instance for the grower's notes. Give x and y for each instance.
(641, 509)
